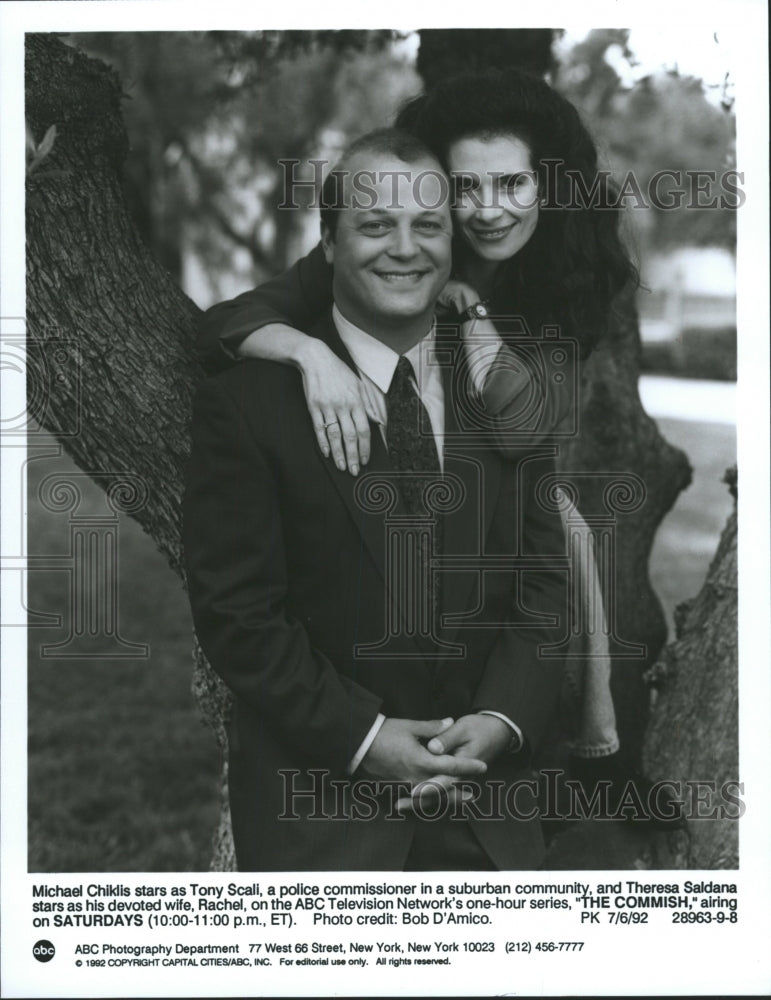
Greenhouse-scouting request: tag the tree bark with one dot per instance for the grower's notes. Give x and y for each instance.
(95, 290)
(111, 362)
(124, 334)
(448, 51)
(614, 436)
(693, 731)
(634, 477)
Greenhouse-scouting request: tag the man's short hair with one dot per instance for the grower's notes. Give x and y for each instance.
(392, 142)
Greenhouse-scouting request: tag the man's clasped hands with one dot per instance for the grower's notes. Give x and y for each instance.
(436, 757)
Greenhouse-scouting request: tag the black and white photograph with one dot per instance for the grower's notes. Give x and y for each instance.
(385, 490)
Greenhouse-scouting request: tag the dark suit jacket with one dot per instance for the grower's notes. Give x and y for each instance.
(531, 388)
(287, 575)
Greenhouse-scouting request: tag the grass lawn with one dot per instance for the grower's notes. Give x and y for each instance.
(123, 775)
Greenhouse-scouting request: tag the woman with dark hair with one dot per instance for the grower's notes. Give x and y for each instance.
(536, 244)
(536, 254)
(562, 262)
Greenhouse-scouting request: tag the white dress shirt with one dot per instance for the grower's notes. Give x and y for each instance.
(376, 364)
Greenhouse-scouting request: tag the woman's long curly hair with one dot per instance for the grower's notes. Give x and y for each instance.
(575, 264)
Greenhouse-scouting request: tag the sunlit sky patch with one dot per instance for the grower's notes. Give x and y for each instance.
(691, 50)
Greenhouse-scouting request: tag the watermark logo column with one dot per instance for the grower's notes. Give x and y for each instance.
(93, 566)
(593, 595)
(412, 570)
(31, 372)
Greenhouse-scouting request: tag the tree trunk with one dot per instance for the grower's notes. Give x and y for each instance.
(112, 371)
(448, 51)
(111, 365)
(614, 437)
(628, 478)
(693, 729)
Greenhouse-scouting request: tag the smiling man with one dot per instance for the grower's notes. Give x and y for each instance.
(323, 600)
(390, 241)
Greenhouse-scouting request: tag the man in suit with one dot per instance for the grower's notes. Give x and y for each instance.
(380, 636)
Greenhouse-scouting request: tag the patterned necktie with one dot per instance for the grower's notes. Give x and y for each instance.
(411, 443)
(412, 449)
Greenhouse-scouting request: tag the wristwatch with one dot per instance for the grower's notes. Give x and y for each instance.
(479, 310)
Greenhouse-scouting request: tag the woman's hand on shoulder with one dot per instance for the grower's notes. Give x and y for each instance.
(336, 405)
(457, 296)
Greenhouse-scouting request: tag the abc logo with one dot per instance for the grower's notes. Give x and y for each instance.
(43, 951)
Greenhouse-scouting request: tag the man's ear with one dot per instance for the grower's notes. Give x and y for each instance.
(327, 243)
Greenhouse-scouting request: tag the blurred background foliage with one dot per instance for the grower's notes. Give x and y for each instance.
(210, 114)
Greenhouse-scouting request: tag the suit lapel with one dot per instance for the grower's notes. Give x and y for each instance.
(371, 497)
(475, 466)
(368, 520)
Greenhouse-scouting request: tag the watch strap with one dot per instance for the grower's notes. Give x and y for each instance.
(479, 310)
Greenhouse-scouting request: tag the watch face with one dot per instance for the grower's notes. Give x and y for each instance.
(477, 311)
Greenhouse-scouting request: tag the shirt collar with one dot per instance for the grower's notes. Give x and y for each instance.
(376, 360)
